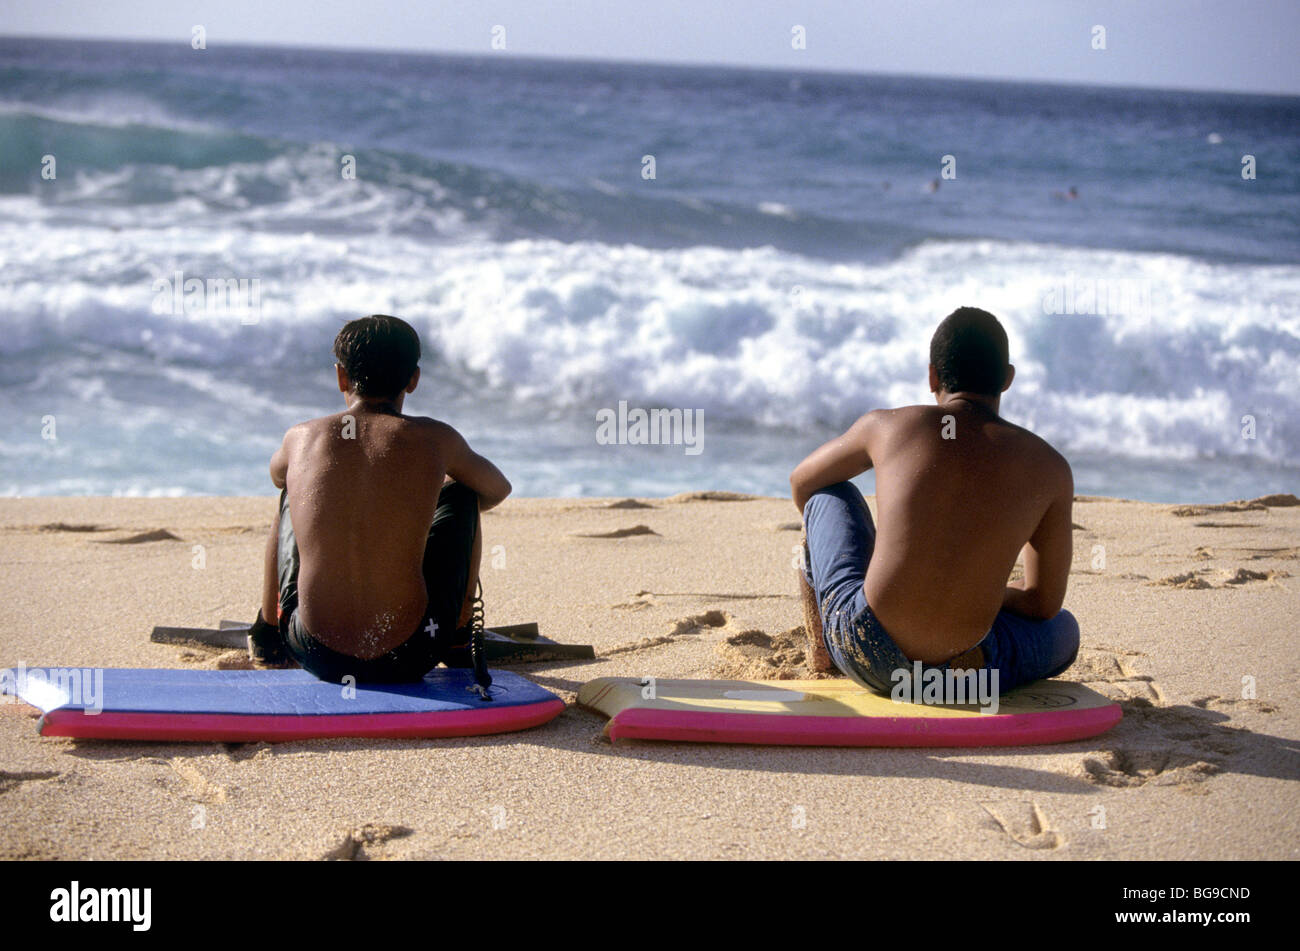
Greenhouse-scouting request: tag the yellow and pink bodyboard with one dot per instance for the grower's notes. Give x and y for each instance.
(840, 713)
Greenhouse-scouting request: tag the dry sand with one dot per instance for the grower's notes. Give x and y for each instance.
(1177, 606)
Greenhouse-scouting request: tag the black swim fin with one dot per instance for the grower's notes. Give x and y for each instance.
(266, 644)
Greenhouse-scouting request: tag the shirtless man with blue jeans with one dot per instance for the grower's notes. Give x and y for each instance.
(960, 493)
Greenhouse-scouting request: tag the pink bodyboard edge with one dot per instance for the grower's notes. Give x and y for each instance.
(236, 728)
(1021, 729)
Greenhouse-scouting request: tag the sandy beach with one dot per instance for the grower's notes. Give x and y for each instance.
(1178, 604)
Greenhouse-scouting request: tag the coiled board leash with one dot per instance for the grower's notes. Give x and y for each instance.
(477, 650)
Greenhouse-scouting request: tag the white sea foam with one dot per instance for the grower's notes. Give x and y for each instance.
(753, 336)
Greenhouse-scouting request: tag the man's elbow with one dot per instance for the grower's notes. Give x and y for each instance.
(1032, 603)
(798, 490)
(1036, 607)
(499, 494)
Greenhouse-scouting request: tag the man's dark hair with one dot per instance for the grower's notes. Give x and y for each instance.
(969, 352)
(379, 353)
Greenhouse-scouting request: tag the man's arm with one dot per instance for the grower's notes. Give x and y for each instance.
(1047, 558)
(280, 463)
(468, 467)
(836, 461)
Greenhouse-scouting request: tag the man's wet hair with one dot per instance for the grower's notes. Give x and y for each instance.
(969, 352)
(379, 353)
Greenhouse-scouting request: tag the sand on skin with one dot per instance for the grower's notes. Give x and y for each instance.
(1177, 606)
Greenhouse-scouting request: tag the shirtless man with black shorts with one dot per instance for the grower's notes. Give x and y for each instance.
(372, 563)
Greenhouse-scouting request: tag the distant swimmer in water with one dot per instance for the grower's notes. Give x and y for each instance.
(1069, 195)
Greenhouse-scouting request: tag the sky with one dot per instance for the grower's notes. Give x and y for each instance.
(1237, 46)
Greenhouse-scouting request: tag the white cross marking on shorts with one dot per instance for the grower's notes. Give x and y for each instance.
(432, 628)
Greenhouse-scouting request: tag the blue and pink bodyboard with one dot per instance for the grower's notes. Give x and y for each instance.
(270, 705)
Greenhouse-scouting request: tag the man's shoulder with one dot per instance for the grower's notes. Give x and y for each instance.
(429, 425)
(1038, 442)
(315, 425)
(307, 426)
(888, 416)
(1048, 457)
(901, 417)
(427, 422)
(440, 436)
(913, 412)
(880, 426)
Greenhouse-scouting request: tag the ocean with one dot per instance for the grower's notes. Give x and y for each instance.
(768, 250)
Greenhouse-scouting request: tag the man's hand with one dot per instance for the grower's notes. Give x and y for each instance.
(837, 461)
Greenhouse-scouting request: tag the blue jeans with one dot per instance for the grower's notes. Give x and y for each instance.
(840, 539)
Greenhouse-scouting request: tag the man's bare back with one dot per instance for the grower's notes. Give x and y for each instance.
(953, 515)
(372, 561)
(363, 487)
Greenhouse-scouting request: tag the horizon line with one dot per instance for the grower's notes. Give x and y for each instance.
(675, 64)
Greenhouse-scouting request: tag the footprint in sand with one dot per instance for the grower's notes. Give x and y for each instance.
(618, 532)
(1025, 824)
(71, 527)
(1183, 511)
(1261, 504)
(1246, 575)
(1198, 580)
(1165, 746)
(157, 535)
(757, 655)
(1137, 767)
(1187, 581)
(1257, 554)
(238, 752)
(684, 627)
(699, 623)
(11, 781)
(641, 601)
(711, 496)
(1107, 672)
(197, 787)
(365, 843)
(1225, 703)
